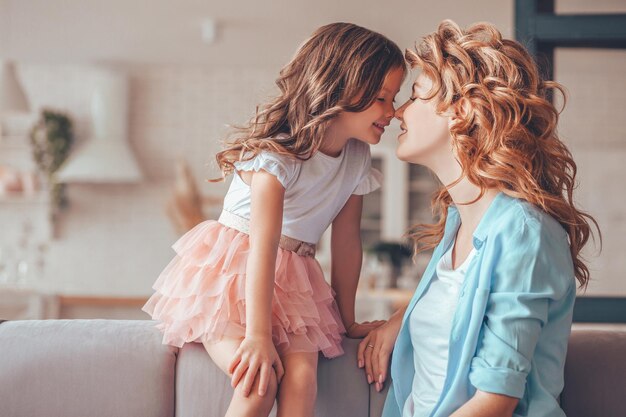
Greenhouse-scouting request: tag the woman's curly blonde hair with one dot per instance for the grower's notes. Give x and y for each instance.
(341, 67)
(505, 129)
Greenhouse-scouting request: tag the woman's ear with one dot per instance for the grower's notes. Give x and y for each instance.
(460, 111)
(462, 108)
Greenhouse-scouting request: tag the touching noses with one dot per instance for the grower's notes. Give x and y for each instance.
(399, 113)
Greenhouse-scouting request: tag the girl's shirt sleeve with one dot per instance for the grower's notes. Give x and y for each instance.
(370, 179)
(281, 167)
(532, 273)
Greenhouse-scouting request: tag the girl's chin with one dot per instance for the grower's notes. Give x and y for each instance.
(369, 140)
(373, 139)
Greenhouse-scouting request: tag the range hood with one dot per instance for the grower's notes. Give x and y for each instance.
(106, 156)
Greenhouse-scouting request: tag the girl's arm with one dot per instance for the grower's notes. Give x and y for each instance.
(486, 404)
(257, 352)
(347, 255)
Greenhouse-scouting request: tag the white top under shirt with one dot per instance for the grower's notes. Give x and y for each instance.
(315, 189)
(430, 324)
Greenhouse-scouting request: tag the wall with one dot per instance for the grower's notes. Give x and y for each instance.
(115, 239)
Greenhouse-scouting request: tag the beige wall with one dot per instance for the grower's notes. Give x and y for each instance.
(115, 239)
(593, 126)
(251, 33)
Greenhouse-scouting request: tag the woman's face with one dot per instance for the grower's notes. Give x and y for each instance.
(425, 137)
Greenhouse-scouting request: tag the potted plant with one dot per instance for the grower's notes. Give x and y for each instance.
(395, 253)
(51, 139)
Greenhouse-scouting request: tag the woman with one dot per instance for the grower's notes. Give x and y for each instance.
(486, 331)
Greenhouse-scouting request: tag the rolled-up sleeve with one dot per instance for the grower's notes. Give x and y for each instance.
(525, 279)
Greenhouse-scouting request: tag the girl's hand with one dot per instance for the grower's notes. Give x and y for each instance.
(360, 330)
(375, 350)
(256, 354)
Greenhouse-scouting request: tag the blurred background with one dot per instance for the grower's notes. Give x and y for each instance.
(111, 113)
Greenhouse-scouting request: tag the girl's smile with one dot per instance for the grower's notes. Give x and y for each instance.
(380, 126)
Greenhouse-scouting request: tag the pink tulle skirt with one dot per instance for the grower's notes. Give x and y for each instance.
(200, 295)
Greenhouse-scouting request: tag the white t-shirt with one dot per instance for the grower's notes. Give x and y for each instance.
(315, 189)
(430, 324)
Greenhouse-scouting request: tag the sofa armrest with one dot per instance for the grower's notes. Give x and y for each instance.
(77, 368)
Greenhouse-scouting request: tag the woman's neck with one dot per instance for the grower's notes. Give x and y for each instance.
(465, 192)
(471, 214)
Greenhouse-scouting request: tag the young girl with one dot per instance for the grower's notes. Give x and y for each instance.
(487, 329)
(247, 286)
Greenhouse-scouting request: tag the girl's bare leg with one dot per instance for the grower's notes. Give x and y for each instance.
(253, 405)
(298, 389)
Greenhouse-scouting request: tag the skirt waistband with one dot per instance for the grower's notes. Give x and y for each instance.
(242, 224)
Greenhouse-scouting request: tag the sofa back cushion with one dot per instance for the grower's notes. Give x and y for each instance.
(96, 368)
(595, 374)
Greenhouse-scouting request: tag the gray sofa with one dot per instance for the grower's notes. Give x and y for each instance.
(110, 368)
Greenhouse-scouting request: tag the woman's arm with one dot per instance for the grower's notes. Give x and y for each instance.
(375, 349)
(257, 352)
(531, 281)
(486, 404)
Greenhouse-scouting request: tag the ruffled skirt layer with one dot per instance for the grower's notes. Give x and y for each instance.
(200, 295)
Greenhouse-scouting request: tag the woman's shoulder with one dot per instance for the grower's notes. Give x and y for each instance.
(517, 215)
(533, 246)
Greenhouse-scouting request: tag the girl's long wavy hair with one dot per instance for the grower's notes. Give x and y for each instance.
(341, 67)
(504, 133)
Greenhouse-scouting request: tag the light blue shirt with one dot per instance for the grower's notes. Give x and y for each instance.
(429, 326)
(510, 330)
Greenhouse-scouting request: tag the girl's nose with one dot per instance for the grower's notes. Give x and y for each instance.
(390, 111)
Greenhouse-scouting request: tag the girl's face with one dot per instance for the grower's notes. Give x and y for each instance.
(369, 125)
(425, 137)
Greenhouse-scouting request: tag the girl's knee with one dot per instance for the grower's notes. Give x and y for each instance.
(256, 401)
(302, 375)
